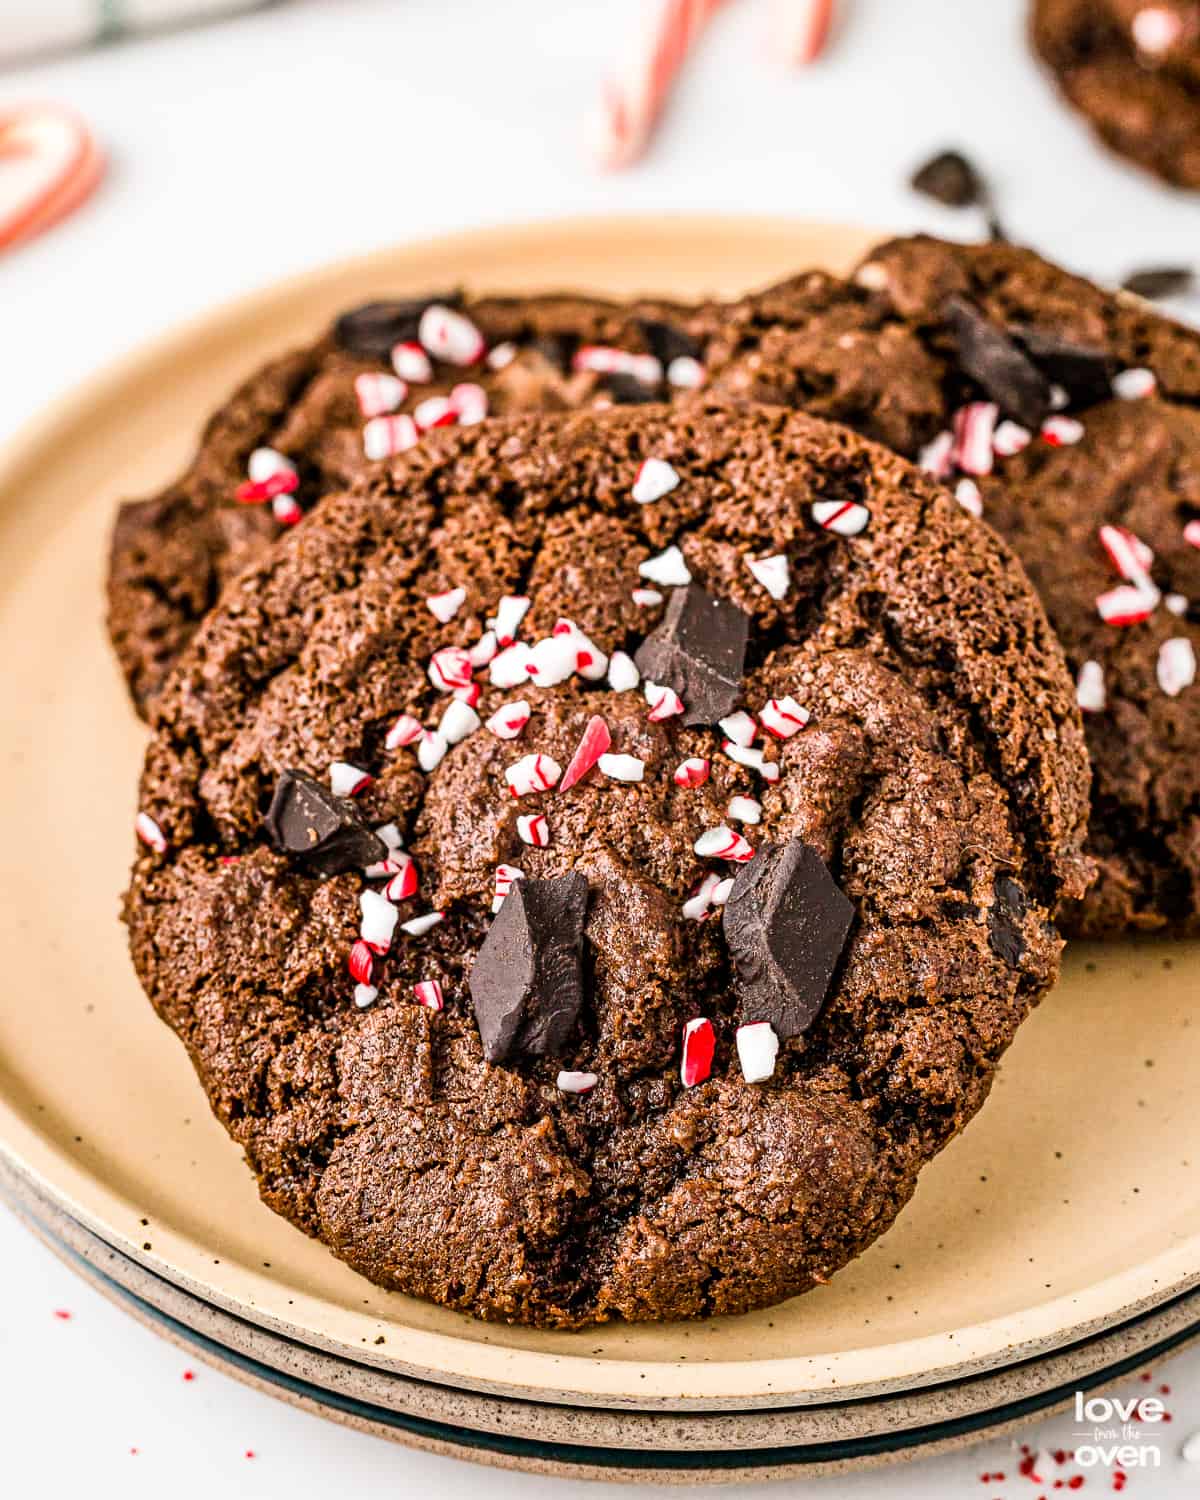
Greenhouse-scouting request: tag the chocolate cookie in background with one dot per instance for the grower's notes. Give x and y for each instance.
(316, 418)
(1132, 68)
(679, 1117)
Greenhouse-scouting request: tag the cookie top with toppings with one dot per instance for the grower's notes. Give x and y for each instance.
(558, 1052)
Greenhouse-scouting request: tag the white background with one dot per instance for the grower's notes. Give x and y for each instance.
(243, 151)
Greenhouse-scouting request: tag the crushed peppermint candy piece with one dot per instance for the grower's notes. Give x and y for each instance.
(783, 717)
(602, 359)
(470, 695)
(505, 876)
(379, 394)
(405, 731)
(450, 668)
(365, 995)
(739, 727)
(757, 1050)
(426, 922)
(594, 744)
(744, 810)
(569, 1082)
(1133, 385)
(428, 992)
(974, 431)
(450, 336)
(379, 918)
(532, 773)
(484, 649)
(445, 606)
(384, 437)
(623, 675)
(431, 750)
(346, 780)
(590, 662)
(509, 668)
(1128, 554)
(664, 702)
(1060, 398)
(150, 833)
(258, 491)
(1010, 438)
(381, 868)
(686, 373)
(842, 517)
(434, 411)
(699, 1044)
(1062, 432)
(691, 772)
(722, 889)
(937, 456)
(361, 962)
(411, 362)
(458, 721)
(511, 610)
(268, 463)
(668, 568)
(501, 356)
(753, 757)
(966, 492)
(697, 905)
(470, 403)
(286, 510)
(391, 835)
(1191, 533)
(622, 767)
(773, 573)
(723, 843)
(646, 598)
(403, 884)
(1090, 692)
(532, 828)
(1156, 29)
(509, 719)
(1176, 604)
(1176, 665)
(1128, 604)
(654, 479)
(550, 661)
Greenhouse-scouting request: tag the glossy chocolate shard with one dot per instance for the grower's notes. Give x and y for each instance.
(995, 361)
(1083, 371)
(323, 832)
(949, 178)
(372, 329)
(699, 649)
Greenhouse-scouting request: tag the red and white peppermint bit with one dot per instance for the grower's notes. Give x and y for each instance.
(783, 717)
(361, 962)
(434, 411)
(150, 833)
(484, 649)
(722, 890)
(622, 767)
(664, 702)
(384, 437)
(603, 359)
(646, 598)
(428, 992)
(403, 884)
(1127, 553)
(842, 517)
(446, 605)
(550, 661)
(774, 573)
(937, 456)
(450, 336)
(590, 662)
(623, 675)
(594, 743)
(268, 463)
(532, 773)
(1090, 692)
(501, 356)
(668, 568)
(696, 907)
(470, 403)
(505, 876)
(458, 721)
(258, 491)
(390, 834)
(379, 918)
(378, 394)
(1176, 604)
(382, 868)
(365, 995)
(511, 610)
(411, 362)
(744, 810)
(1126, 605)
(691, 772)
(509, 719)
(1156, 29)
(1062, 432)
(405, 731)
(1191, 533)
(286, 510)
(470, 695)
(532, 828)
(1134, 384)
(654, 479)
(1176, 665)
(699, 1044)
(686, 373)
(569, 1082)
(346, 780)
(966, 492)
(1010, 438)
(801, 29)
(426, 922)
(739, 726)
(509, 668)
(723, 843)
(431, 750)
(754, 758)
(974, 430)
(757, 1050)
(450, 668)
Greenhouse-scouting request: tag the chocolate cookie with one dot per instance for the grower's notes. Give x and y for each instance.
(653, 996)
(1068, 416)
(315, 419)
(1133, 69)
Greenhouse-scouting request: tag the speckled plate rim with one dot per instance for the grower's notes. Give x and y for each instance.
(539, 1374)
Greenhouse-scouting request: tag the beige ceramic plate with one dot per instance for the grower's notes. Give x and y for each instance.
(1071, 1206)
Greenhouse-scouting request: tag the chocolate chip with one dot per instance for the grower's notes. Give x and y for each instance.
(1160, 281)
(786, 923)
(667, 341)
(372, 329)
(325, 832)
(993, 360)
(627, 390)
(1004, 921)
(949, 178)
(699, 649)
(527, 980)
(1084, 371)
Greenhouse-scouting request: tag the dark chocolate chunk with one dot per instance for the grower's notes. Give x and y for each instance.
(667, 341)
(786, 923)
(1004, 921)
(325, 832)
(557, 349)
(628, 390)
(949, 178)
(1083, 371)
(996, 362)
(527, 979)
(699, 649)
(1160, 281)
(372, 329)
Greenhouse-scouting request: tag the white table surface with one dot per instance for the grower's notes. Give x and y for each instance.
(250, 149)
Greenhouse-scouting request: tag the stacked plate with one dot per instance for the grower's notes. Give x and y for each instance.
(1054, 1247)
